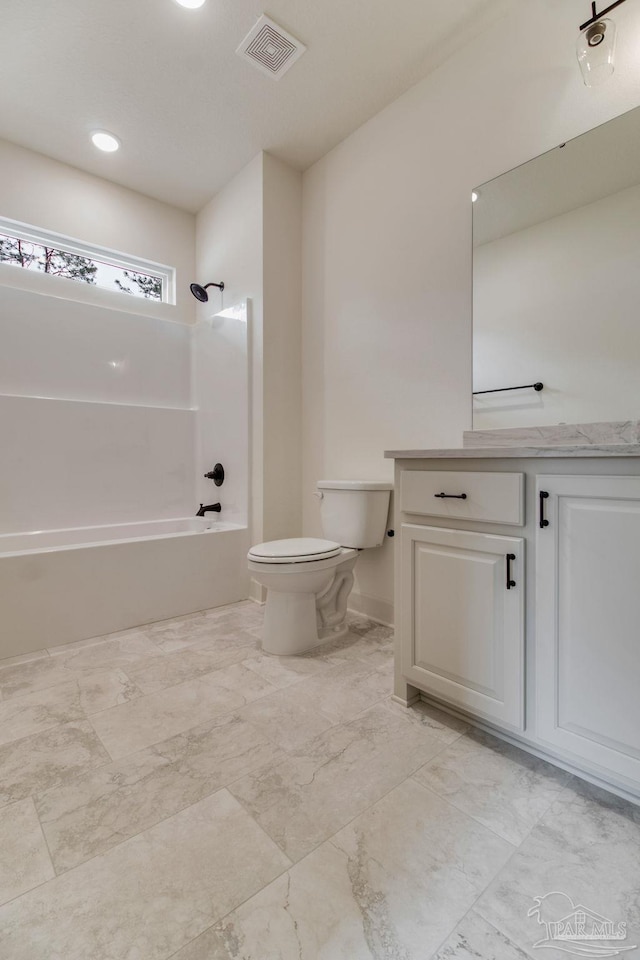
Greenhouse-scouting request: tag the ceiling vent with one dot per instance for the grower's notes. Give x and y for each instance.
(270, 48)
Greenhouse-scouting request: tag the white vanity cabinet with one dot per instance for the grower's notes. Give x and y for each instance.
(588, 620)
(462, 599)
(518, 606)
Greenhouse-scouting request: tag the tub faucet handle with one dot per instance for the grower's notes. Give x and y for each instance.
(217, 475)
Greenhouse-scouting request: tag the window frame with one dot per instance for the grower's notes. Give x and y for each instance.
(92, 251)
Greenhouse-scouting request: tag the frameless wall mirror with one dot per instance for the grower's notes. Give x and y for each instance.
(556, 285)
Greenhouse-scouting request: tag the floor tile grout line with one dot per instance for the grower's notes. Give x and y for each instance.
(44, 882)
(44, 837)
(472, 906)
(217, 789)
(201, 676)
(334, 723)
(22, 659)
(295, 863)
(224, 916)
(452, 802)
(143, 630)
(129, 756)
(152, 826)
(465, 813)
(373, 704)
(73, 675)
(123, 668)
(287, 756)
(348, 822)
(247, 660)
(88, 718)
(111, 759)
(475, 903)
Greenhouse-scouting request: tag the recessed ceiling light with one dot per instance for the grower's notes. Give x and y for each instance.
(474, 196)
(191, 4)
(105, 141)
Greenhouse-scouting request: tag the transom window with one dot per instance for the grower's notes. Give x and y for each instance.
(32, 249)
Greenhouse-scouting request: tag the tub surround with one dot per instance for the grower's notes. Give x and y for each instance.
(539, 546)
(112, 422)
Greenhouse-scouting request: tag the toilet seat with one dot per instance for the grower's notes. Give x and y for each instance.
(295, 550)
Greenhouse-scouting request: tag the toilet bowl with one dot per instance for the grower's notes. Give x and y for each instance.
(308, 580)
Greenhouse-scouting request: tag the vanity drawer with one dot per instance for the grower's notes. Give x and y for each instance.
(488, 497)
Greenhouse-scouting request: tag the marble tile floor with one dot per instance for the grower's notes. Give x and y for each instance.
(171, 793)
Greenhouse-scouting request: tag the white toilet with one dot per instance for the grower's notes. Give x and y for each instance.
(308, 581)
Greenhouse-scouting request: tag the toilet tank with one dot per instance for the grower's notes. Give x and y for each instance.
(354, 512)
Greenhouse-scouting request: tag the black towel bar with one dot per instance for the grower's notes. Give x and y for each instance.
(536, 386)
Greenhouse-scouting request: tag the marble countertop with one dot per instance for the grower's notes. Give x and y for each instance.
(532, 451)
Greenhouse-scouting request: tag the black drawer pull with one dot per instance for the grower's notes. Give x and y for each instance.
(451, 496)
(543, 496)
(510, 583)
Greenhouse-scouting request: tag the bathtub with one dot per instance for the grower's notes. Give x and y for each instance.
(57, 586)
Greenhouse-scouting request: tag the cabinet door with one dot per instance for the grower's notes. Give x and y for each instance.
(588, 620)
(462, 621)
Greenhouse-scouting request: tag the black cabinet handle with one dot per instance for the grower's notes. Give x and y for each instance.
(543, 495)
(451, 496)
(510, 583)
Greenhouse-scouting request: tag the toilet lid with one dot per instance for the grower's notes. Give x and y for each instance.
(296, 550)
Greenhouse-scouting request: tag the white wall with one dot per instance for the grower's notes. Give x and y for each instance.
(37, 190)
(282, 383)
(229, 248)
(387, 244)
(558, 302)
(220, 386)
(248, 235)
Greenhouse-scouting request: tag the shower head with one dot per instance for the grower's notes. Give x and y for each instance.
(200, 293)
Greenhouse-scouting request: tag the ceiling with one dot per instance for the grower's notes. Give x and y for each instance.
(188, 111)
(601, 162)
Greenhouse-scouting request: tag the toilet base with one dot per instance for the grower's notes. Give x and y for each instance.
(290, 624)
(306, 602)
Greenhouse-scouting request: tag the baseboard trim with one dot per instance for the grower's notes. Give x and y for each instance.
(610, 786)
(379, 610)
(406, 703)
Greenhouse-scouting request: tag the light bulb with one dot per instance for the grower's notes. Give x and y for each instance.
(191, 4)
(595, 51)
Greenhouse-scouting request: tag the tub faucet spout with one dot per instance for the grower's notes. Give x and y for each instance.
(213, 507)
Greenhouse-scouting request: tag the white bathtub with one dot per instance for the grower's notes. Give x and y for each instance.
(62, 585)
